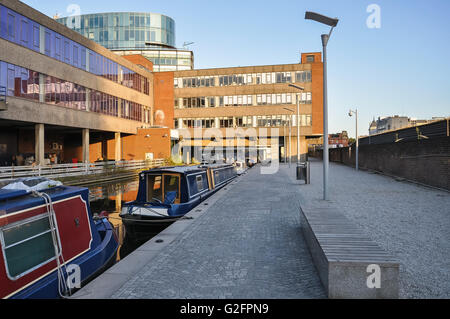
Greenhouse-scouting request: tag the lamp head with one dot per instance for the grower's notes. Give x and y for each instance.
(297, 87)
(332, 22)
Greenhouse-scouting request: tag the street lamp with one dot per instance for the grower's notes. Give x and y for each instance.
(350, 113)
(290, 144)
(298, 120)
(325, 37)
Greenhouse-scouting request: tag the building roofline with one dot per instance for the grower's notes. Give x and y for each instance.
(246, 66)
(117, 12)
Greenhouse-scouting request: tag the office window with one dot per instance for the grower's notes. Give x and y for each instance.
(36, 37)
(11, 24)
(310, 58)
(289, 99)
(24, 32)
(75, 55)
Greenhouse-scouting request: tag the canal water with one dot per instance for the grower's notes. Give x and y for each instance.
(109, 197)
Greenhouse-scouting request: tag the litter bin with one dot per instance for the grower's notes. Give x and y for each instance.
(303, 172)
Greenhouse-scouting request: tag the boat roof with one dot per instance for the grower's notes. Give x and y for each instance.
(15, 200)
(184, 169)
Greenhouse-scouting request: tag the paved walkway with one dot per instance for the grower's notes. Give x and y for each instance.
(411, 222)
(247, 245)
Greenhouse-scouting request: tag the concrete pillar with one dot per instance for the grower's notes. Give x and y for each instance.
(180, 123)
(39, 143)
(85, 145)
(118, 147)
(216, 122)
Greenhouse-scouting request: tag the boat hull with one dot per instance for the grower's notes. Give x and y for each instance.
(91, 264)
(87, 245)
(139, 229)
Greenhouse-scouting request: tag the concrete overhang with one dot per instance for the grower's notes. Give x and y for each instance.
(24, 110)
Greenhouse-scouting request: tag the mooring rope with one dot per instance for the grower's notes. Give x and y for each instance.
(62, 285)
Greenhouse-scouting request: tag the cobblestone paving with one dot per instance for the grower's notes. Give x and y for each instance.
(247, 245)
(410, 221)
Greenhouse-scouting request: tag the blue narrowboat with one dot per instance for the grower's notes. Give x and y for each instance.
(167, 194)
(51, 244)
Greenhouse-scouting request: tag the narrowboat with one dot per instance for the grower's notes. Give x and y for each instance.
(167, 194)
(50, 242)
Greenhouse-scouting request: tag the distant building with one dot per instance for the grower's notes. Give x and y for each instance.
(393, 123)
(252, 98)
(338, 140)
(151, 35)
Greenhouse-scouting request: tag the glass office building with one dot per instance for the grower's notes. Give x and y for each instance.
(150, 34)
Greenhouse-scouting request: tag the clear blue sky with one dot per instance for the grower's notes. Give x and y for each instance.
(400, 69)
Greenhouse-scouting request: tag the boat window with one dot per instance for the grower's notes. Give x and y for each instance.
(154, 188)
(27, 245)
(216, 177)
(199, 182)
(171, 184)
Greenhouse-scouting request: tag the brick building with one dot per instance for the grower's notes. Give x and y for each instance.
(253, 97)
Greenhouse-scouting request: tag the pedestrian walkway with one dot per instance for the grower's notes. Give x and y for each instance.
(410, 221)
(248, 244)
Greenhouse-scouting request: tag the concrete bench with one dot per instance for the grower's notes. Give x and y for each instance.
(342, 254)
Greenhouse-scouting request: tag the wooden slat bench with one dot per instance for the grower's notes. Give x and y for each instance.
(342, 253)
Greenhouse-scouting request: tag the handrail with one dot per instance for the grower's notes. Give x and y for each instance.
(75, 169)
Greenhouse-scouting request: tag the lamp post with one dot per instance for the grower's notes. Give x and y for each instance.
(350, 113)
(325, 37)
(298, 120)
(290, 144)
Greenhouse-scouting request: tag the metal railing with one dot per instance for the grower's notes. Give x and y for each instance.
(76, 169)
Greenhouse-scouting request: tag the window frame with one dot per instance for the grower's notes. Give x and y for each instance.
(4, 247)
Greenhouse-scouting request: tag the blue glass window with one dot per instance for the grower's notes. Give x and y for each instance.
(25, 32)
(11, 24)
